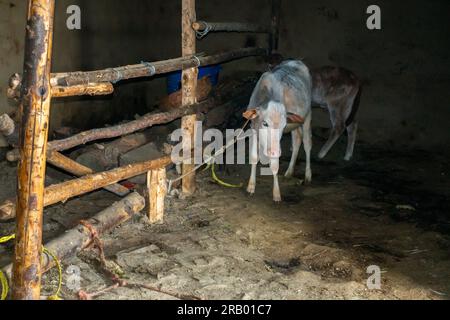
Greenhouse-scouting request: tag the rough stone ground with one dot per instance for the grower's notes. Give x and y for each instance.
(317, 244)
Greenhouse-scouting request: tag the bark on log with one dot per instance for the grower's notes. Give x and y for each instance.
(148, 69)
(189, 90)
(144, 122)
(157, 189)
(79, 238)
(35, 112)
(77, 169)
(91, 89)
(69, 189)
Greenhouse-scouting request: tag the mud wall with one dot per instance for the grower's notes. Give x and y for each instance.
(405, 65)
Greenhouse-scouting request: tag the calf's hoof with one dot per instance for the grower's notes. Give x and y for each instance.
(322, 155)
(277, 200)
(308, 177)
(289, 174)
(251, 190)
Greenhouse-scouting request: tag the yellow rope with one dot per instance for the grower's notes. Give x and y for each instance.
(5, 287)
(58, 266)
(222, 183)
(4, 280)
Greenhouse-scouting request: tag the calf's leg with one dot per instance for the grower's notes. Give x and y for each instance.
(307, 145)
(296, 143)
(274, 166)
(351, 131)
(338, 127)
(254, 163)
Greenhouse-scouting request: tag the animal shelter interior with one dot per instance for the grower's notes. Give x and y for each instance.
(237, 150)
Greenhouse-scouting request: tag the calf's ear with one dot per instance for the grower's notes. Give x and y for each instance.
(250, 114)
(294, 118)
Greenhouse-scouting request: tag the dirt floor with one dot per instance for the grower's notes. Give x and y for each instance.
(385, 207)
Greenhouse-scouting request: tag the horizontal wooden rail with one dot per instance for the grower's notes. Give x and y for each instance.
(91, 89)
(148, 69)
(144, 122)
(73, 188)
(79, 170)
(203, 26)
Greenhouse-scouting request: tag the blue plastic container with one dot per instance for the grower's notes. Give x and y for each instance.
(174, 78)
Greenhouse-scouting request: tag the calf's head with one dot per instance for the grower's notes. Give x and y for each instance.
(269, 121)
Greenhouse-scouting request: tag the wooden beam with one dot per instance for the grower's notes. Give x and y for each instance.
(80, 237)
(35, 111)
(275, 26)
(189, 89)
(157, 189)
(73, 188)
(91, 89)
(203, 26)
(60, 161)
(150, 69)
(144, 122)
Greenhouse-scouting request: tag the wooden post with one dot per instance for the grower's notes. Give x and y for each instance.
(275, 26)
(157, 189)
(189, 88)
(34, 110)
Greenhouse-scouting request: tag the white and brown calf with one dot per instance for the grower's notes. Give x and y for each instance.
(280, 103)
(338, 90)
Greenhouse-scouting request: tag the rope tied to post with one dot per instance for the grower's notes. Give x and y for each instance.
(119, 75)
(151, 68)
(4, 279)
(197, 59)
(201, 34)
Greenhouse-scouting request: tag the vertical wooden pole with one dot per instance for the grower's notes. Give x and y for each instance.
(34, 109)
(275, 26)
(189, 88)
(156, 184)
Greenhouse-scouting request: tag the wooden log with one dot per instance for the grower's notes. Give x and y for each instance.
(63, 191)
(35, 111)
(204, 26)
(157, 190)
(15, 85)
(189, 89)
(79, 238)
(275, 26)
(8, 128)
(91, 89)
(174, 100)
(7, 125)
(144, 122)
(58, 160)
(149, 69)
